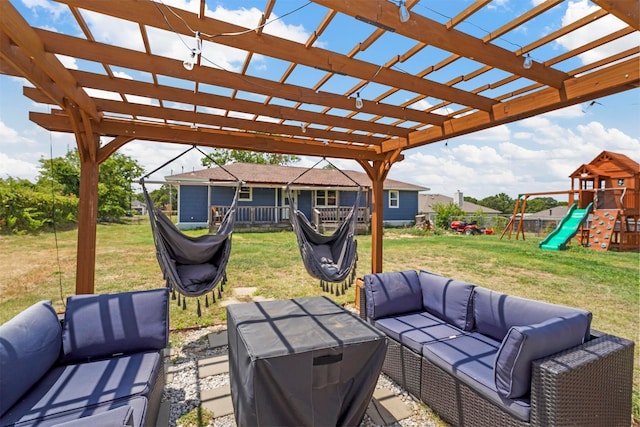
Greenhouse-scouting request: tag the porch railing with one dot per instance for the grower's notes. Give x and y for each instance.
(252, 214)
(262, 215)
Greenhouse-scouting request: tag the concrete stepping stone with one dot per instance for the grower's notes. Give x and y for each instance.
(217, 400)
(386, 408)
(213, 366)
(218, 339)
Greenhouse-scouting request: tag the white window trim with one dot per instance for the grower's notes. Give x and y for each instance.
(326, 198)
(396, 198)
(245, 199)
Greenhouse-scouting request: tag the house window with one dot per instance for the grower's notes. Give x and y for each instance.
(621, 183)
(246, 194)
(326, 198)
(394, 198)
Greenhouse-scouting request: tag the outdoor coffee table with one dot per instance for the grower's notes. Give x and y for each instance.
(301, 362)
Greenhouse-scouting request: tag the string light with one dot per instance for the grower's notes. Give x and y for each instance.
(359, 103)
(303, 128)
(528, 62)
(191, 60)
(404, 12)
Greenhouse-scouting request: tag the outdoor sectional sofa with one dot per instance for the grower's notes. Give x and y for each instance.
(482, 358)
(101, 366)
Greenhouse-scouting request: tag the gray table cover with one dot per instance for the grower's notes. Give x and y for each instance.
(301, 362)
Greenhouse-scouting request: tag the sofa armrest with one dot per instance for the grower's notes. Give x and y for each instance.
(586, 385)
(122, 416)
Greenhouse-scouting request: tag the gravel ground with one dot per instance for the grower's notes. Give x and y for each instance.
(183, 388)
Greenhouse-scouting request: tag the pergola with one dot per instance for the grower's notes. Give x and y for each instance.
(488, 82)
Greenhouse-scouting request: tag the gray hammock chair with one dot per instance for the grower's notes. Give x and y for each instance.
(330, 258)
(192, 266)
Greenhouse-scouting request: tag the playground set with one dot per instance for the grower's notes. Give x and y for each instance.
(604, 207)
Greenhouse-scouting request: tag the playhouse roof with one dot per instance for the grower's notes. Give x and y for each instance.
(594, 168)
(278, 175)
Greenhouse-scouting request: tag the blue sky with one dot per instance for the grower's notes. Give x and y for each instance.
(532, 155)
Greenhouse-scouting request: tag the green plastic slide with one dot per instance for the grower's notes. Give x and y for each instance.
(567, 228)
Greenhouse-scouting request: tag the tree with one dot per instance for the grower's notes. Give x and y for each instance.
(538, 204)
(63, 173)
(224, 156)
(447, 213)
(26, 207)
(501, 202)
(114, 183)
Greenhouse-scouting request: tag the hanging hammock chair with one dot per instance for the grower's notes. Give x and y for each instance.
(192, 266)
(329, 258)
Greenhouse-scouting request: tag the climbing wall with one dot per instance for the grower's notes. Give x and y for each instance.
(602, 227)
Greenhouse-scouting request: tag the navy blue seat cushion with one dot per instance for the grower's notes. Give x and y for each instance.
(416, 329)
(449, 299)
(393, 293)
(97, 326)
(121, 416)
(495, 313)
(80, 387)
(30, 344)
(524, 344)
(471, 358)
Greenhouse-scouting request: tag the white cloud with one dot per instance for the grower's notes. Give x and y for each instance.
(580, 8)
(11, 136)
(17, 168)
(48, 6)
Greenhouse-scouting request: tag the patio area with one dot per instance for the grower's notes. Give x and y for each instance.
(198, 374)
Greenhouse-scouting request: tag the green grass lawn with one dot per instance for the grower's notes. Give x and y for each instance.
(606, 283)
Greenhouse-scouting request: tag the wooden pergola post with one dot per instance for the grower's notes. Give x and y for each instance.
(377, 172)
(88, 143)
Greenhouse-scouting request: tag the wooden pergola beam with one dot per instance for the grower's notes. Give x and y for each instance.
(146, 13)
(58, 122)
(18, 30)
(577, 90)
(625, 10)
(168, 93)
(117, 56)
(419, 28)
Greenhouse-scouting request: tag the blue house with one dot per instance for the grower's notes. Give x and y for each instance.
(324, 195)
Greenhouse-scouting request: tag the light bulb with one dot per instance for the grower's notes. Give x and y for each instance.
(359, 103)
(528, 62)
(303, 128)
(198, 49)
(404, 12)
(190, 61)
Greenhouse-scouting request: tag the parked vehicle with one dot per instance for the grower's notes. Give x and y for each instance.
(469, 228)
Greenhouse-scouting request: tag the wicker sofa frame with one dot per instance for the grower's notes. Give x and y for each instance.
(588, 385)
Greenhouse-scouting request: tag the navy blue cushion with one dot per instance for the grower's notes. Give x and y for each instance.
(448, 299)
(495, 313)
(471, 358)
(414, 330)
(77, 389)
(524, 344)
(389, 294)
(97, 326)
(30, 344)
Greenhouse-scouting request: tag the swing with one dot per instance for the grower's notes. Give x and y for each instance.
(329, 258)
(192, 266)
